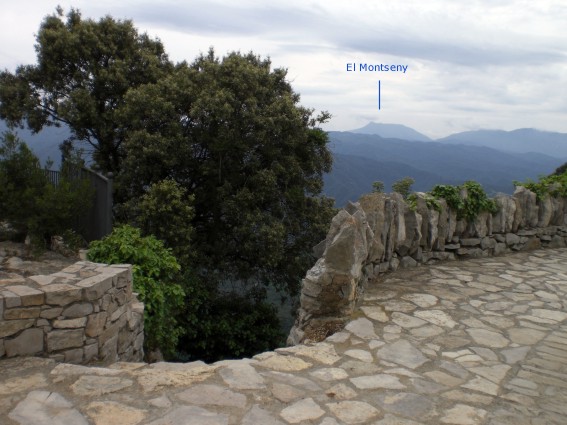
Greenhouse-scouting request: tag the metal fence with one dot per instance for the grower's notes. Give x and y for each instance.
(97, 223)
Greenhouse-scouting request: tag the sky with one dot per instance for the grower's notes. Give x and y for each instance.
(479, 64)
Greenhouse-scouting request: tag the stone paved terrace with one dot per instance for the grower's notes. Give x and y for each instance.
(474, 342)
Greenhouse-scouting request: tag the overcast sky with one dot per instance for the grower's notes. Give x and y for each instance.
(475, 64)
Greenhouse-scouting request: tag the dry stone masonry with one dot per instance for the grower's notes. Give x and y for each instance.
(84, 313)
(380, 233)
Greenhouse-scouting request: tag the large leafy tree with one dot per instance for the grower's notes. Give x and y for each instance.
(84, 68)
(231, 131)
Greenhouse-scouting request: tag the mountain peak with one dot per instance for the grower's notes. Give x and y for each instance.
(392, 131)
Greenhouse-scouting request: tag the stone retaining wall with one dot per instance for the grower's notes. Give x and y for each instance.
(380, 233)
(83, 314)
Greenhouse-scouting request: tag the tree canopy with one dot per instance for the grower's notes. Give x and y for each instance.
(232, 133)
(217, 158)
(84, 69)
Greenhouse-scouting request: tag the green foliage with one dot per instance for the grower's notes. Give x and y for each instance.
(84, 69)
(451, 194)
(31, 203)
(166, 212)
(475, 201)
(561, 170)
(554, 184)
(230, 132)
(155, 271)
(225, 326)
(378, 187)
(430, 201)
(403, 186)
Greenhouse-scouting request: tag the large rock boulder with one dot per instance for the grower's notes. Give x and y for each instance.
(528, 207)
(503, 220)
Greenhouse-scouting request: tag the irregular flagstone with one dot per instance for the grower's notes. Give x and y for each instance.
(20, 384)
(482, 385)
(284, 363)
(213, 395)
(356, 367)
(421, 300)
(66, 369)
(256, 415)
(294, 380)
(192, 415)
(437, 317)
(322, 352)
(493, 373)
(303, 410)
(353, 412)
(46, 407)
(362, 328)
(462, 414)
(395, 420)
(340, 392)
(286, 393)
(242, 377)
(488, 338)
(406, 321)
(90, 386)
(375, 313)
(515, 355)
(403, 353)
(467, 397)
(329, 374)
(444, 378)
(377, 381)
(159, 375)
(555, 315)
(112, 413)
(525, 336)
(407, 404)
(362, 355)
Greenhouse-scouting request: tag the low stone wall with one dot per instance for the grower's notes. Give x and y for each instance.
(83, 314)
(380, 233)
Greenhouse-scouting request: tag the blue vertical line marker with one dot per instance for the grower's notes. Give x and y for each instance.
(379, 95)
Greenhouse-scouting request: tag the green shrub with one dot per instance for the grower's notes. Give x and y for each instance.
(554, 184)
(472, 205)
(403, 186)
(430, 201)
(378, 186)
(155, 271)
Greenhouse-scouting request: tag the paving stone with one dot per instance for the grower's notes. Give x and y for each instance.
(524, 336)
(406, 321)
(402, 353)
(92, 386)
(396, 420)
(375, 313)
(340, 392)
(329, 374)
(482, 385)
(286, 393)
(444, 378)
(407, 404)
(468, 397)
(256, 415)
(421, 300)
(322, 352)
(19, 384)
(377, 381)
(160, 375)
(353, 412)
(362, 355)
(242, 377)
(294, 380)
(437, 317)
(462, 414)
(494, 373)
(212, 395)
(488, 338)
(191, 415)
(356, 368)
(112, 413)
(284, 363)
(362, 328)
(557, 316)
(303, 410)
(46, 407)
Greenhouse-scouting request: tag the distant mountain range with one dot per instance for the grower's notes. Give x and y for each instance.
(361, 159)
(392, 131)
(389, 152)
